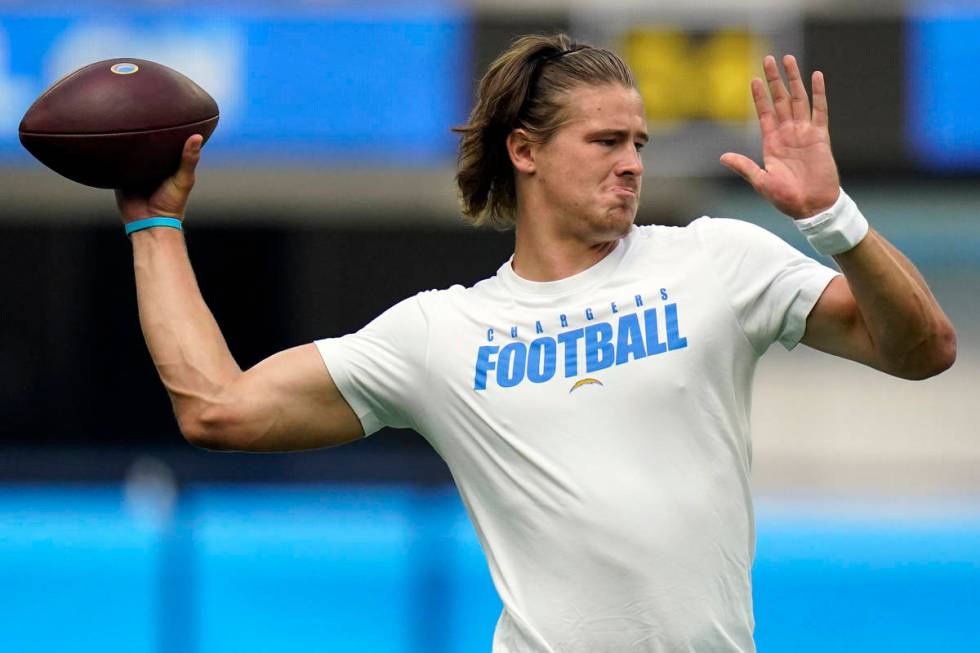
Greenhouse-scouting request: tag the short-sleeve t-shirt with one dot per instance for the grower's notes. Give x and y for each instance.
(597, 428)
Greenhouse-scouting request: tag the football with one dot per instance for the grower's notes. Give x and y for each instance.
(119, 123)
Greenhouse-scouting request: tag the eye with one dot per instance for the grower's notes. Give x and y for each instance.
(608, 142)
(639, 146)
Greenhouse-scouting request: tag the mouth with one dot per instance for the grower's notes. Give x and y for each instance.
(624, 190)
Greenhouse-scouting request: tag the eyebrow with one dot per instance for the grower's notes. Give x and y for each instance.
(618, 133)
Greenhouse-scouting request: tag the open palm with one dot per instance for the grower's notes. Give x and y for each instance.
(800, 177)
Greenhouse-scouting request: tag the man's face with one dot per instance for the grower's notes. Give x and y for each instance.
(590, 171)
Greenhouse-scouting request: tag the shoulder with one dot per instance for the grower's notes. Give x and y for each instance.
(643, 237)
(702, 228)
(711, 235)
(484, 291)
(729, 237)
(715, 228)
(730, 248)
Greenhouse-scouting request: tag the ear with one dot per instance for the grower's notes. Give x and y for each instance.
(520, 148)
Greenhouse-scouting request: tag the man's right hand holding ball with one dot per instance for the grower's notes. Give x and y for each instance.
(165, 206)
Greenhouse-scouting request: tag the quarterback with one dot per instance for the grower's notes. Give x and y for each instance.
(591, 398)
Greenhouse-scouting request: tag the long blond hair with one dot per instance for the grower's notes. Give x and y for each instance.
(523, 88)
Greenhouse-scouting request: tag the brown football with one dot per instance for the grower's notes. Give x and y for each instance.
(119, 123)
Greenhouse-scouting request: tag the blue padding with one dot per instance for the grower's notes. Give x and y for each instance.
(349, 84)
(941, 120)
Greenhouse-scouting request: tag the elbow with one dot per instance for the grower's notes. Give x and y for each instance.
(933, 356)
(945, 354)
(208, 429)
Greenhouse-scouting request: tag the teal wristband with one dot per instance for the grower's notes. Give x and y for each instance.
(139, 225)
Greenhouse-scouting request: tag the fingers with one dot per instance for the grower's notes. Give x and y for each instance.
(184, 177)
(780, 96)
(763, 107)
(799, 103)
(820, 115)
(746, 167)
(792, 104)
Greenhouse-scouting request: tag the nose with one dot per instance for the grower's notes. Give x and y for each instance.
(631, 163)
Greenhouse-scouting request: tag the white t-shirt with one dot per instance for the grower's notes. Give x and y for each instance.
(597, 428)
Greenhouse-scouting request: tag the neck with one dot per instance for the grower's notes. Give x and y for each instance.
(542, 255)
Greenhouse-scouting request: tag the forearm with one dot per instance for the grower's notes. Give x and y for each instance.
(184, 339)
(911, 334)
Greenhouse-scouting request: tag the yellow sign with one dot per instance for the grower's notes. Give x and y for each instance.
(686, 76)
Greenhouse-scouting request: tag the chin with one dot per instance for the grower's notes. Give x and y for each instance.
(606, 224)
(608, 230)
(619, 221)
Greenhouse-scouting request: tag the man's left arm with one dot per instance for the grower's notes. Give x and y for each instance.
(881, 312)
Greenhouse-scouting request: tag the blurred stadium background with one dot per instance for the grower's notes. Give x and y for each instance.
(326, 195)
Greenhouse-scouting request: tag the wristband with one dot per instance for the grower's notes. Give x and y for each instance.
(836, 230)
(159, 221)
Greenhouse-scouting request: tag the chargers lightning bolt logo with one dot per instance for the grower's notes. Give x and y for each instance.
(586, 381)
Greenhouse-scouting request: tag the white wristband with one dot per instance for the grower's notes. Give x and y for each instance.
(836, 230)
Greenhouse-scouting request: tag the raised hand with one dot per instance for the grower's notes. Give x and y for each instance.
(800, 177)
(170, 199)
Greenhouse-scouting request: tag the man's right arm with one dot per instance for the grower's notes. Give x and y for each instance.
(287, 402)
